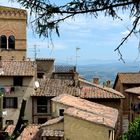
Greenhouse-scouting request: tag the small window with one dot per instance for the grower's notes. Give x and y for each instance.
(61, 112)
(41, 105)
(3, 42)
(11, 42)
(18, 81)
(8, 122)
(40, 75)
(10, 102)
(42, 120)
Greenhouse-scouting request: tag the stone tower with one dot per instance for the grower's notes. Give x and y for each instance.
(12, 33)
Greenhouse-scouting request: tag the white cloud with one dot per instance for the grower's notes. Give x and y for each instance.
(125, 32)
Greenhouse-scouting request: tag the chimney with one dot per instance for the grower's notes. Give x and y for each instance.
(96, 80)
(108, 82)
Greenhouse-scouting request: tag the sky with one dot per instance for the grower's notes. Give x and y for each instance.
(96, 38)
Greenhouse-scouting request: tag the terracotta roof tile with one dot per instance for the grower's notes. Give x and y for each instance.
(55, 87)
(91, 90)
(135, 90)
(10, 129)
(17, 68)
(107, 113)
(128, 78)
(53, 121)
(53, 133)
(29, 132)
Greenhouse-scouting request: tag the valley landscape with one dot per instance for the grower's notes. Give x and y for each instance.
(107, 71)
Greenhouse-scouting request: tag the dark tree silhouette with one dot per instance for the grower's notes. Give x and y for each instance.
(48, 15)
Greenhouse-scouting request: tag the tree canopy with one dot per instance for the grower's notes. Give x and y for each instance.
(49, 16)
(134, 131)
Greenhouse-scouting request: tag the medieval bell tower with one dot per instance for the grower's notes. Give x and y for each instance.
(12, 33)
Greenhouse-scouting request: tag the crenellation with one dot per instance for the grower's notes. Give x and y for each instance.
(13, 23)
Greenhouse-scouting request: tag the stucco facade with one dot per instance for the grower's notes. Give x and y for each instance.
(20, 92)
(77, 129)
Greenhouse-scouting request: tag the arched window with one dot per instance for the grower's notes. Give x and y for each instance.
(3, 42)
(11, 42)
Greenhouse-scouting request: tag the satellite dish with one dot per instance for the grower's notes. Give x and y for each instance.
(36, 84)
(4, 113)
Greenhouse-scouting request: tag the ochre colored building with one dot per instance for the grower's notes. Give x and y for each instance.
(85, 120)
(12, 33)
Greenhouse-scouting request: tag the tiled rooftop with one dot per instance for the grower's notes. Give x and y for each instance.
(53, 133)
(135, 90)
(92, 90)
(132, 78)
(29, 132)
(17, 68)
(55, 87)
(108, 114)
(53, 121)
(50, 132)
(10, 129)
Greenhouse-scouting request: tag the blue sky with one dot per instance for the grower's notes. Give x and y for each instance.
(96, 38)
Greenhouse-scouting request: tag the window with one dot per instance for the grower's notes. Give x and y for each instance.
(7, 42)
(61, 112)
(18, 81)
(8, 122)
(11, 42)
(10, 102)
(3, 42)
(41, 105)
(40, 75)
(42, 120)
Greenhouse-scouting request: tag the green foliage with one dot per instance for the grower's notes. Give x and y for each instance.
(48, 15)
(134, 131)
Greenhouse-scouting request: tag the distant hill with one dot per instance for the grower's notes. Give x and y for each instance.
(107, 71)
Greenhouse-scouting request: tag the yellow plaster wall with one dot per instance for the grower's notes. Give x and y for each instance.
(77, 129)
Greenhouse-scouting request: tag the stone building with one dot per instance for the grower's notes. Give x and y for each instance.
(134, 102)
(85, 120)
(16, 84)
(123, 82)
(13, 23)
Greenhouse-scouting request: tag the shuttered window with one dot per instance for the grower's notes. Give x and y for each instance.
(10, 102)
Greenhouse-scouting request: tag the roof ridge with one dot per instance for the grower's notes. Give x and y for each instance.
(105, 88)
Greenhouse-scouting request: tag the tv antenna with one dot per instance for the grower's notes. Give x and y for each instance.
(35, 51)
(76, 56)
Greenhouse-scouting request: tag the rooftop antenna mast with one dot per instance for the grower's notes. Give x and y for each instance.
(35, 51)
(76, 56)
